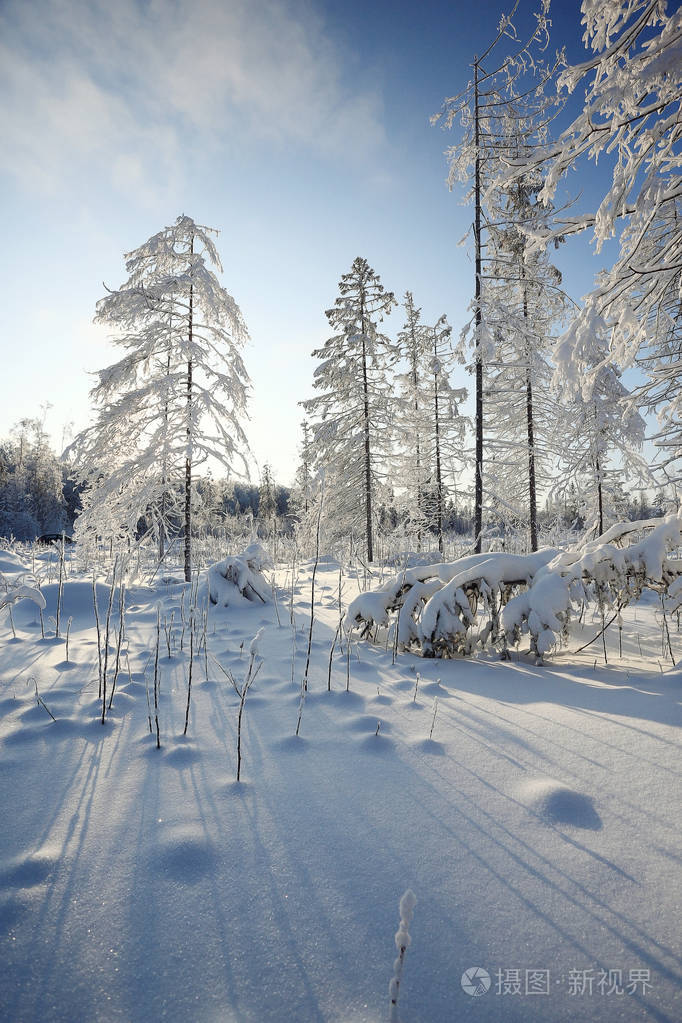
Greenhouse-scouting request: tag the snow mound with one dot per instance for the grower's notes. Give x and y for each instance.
(185, 857)
(22, 592)
(556, 803)
(239, 580)
(26, 872)
(325, 563)
(77, 603)
(16, 582)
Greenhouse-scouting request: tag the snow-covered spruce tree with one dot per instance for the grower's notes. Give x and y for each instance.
(410, 471)
(523, 303)
(428, 427)
(495, 123)
(267, 500)
(178, 395)
(631, 115)
(302, 493)
(351, 414)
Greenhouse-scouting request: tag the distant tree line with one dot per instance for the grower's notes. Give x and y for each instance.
(36, 493)
(39, 494)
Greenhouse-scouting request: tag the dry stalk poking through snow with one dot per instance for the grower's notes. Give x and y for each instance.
(402, 943)
(241, 689)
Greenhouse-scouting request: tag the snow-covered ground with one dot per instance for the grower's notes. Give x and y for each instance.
(538, 826)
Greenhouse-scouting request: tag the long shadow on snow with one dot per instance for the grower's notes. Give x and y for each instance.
(657, 699)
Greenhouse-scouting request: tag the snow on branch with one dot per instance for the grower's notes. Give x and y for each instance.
(239, 579)
(496, 598)
(22, 592)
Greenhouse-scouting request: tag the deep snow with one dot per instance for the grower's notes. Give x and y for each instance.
(538, 827)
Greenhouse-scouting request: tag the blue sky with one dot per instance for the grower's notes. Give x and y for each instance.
(299, 129)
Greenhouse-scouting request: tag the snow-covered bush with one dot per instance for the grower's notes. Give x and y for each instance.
(608, 570)
(239, 579)
(19, 591)
(16, 583)
(437, 605)
(442, 610)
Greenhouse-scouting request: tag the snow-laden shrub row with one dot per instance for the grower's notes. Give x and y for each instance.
(442, 610)
(436, 605)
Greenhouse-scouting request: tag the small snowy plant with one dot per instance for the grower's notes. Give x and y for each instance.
(239, 579)
(402, 943)
(242, 688)
(20, 592)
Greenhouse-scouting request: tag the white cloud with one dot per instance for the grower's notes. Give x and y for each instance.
(122, 89)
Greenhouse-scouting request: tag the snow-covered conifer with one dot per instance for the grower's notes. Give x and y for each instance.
(522, 304)
(428, 426)
(660, 356)
(601, 435)
(410, 425)
(351, 414)
(267, 501)
(503, 107)
(302, 494)
(178, 394)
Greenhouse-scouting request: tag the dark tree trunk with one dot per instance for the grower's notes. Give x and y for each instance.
(600, 497)
(478, 468)
(162, 533)
(439, 481)
(532, 491)
(598, 471)
(164, 471)
(368, 466)
(415, 384)
(188, 454)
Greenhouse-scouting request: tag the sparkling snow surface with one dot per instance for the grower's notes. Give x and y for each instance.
(538, 827)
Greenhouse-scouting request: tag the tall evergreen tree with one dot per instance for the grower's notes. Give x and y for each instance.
(429, 429)
(523, 305)
(176, 397)
(502, 107)
(351, 414)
